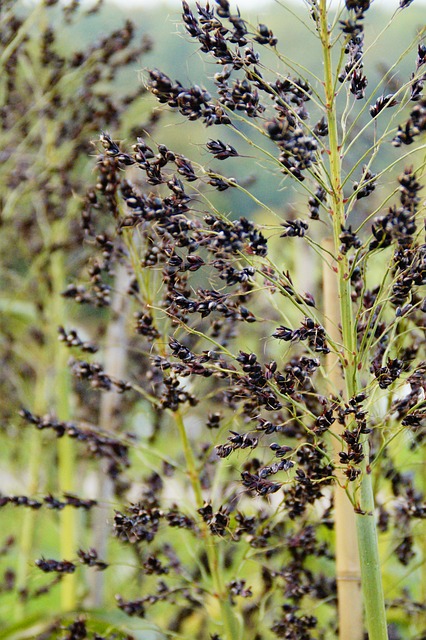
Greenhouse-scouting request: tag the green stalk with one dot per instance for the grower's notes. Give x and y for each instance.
(348, 571)
(232, 628)
(66, 447)
(366, 525)
(26, 538)
(372, 586)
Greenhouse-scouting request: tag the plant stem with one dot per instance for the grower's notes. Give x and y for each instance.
(26, 539)
(372, 586)
(66, 447)
(232, 627)
(348, 571)
(366, 526)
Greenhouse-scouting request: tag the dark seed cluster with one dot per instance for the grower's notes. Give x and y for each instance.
(50, 501)
(310, 331)
(57, 566)
(98, 445)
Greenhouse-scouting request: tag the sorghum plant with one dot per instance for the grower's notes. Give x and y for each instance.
(265, 435)
(54, 99)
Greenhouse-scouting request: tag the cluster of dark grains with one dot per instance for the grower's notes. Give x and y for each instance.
(99, 296)
(298, 150)
(217, 521)
(90, 558)
(236, 441)
(213, 420)
(97, 444)
(354, 453)
(50, 501)
(132, 607)
(174, 394)
(413, 127)
(310, 331)
(312, 475)
(72, 339)
(57, 566)
(142, 520)
(367, 184)
(403, 407)
(141, 524)
(349, 240)
(212, 301)
(258, 485)
(315, 202)
(97, 376)
(354, 28)
(193, 102)
(220, 150)
(265, 36)
(357, 8)
(78, 629)
(384, 102)
(294, 228)
(234, 237)
(389, 373)
(163, 593)
(293, 626)
(144, 325)
(399, 224)
(418, 78)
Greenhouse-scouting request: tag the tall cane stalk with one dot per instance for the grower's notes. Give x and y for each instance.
(348, 574)
(371, 579)
(66, 446)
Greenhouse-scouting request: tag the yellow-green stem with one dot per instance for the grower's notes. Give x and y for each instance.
(29, 518)
(232, 629)
(348, 572)
(66, 446)
(366, 525)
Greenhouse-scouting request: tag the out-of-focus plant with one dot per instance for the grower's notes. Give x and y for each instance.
(54, 101)
(263, 470)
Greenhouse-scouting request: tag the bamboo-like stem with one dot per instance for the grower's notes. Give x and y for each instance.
(232, 627)
(366, 525)
(372, 586)
(115, 360)
(66, 446)
(26, 538)
(348, 572)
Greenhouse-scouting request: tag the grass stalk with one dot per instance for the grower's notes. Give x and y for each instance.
(66, 446)
(369, 555)
(371, 579)
(26, 538)
(231, 626)
(348, 572)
